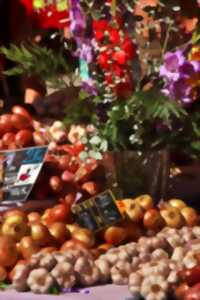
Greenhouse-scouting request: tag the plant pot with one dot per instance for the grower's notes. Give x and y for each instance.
(130, 173)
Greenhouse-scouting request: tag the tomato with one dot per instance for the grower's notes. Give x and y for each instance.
(21, 111)
(8, 251)
(8, 138)
(190, 276)
(67, 176)
(181, 290)
(60, 213)
(56, 184)
(6, 123)
(24, 138)
(193, 293)
(64, 162)
(20, 122)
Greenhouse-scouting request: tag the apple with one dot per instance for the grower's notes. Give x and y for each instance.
(72, 244)
(28, 247)
(40, 234)
(177, 203)
(133, 210)
(72, 227)
(153, 219)
(145, 201)
(14, 212)
(133, 230)
(172, 217)
(14, 226)
(84, 236)
(59, 232)
(115, 235)
(8, 251)
(34, 217)
(190, 216)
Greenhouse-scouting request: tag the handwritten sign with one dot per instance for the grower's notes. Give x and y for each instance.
(19, 172)
(97, 212)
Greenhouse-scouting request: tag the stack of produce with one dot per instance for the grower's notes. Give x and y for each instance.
(64, 172)
(152, 268)
(33, 245)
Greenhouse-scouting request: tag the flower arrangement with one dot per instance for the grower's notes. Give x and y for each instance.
(139, 71)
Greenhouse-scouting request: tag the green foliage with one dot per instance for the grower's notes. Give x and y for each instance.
(34, 60)
(132, 123)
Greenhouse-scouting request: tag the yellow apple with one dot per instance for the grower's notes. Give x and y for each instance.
(177, 203)
(14, 226)
(145, 201)
(172, 217)
(133, 210)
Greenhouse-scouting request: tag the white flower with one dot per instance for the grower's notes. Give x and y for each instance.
(76, 133)
(154, 288)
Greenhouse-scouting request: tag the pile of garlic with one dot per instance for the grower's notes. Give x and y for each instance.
(149, 267)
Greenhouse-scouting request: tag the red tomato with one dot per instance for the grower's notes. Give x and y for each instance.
(8, 138)
(193, 293)
(190, 276)
(20, 122)
(24, 138)
(6, 123)
(60, 213)
(21, 111)
(56, 184)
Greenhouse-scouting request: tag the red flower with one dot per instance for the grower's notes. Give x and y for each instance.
(120, 57)
(124, 89)
(129, 48)
(109, 79)
(118, 71)
(114, 35)
(49, 17)
(100, 25)
(103, 60)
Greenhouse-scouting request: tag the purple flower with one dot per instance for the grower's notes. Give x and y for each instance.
(85, 52)
(78, 21)
(172, 62)
(178, 90)
(189, 69)
(89, 87)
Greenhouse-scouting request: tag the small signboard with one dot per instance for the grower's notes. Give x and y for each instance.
(97, 212)
(18, 173)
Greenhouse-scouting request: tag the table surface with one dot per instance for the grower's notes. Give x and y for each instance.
(106, 292)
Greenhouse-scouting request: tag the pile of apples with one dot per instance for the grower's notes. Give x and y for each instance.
(173, 213)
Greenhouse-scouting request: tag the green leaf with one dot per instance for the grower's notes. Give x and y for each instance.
(96, 155)
(54, 291)
(4, 286)
(83, 155)
(95, 140)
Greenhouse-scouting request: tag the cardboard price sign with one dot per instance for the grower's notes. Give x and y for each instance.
(18, 173)
(97, 212)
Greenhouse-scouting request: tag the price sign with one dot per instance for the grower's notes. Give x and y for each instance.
(97, 212)
(19, 171)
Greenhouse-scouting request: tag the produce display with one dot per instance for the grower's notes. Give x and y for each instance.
(64, 173)
(44, 250)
